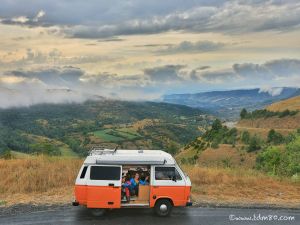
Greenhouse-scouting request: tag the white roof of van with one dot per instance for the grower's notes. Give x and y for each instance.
(129, 157)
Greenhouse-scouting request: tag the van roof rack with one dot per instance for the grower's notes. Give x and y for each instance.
(100, 150)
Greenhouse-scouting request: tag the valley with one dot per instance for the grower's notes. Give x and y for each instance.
(72, 129)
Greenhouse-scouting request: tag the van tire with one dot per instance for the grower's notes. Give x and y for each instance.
(97, 212)
(163, 207)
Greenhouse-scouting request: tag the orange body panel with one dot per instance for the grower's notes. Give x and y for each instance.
(103, 197)
(110, 197)
(178, 194)
(80, 194)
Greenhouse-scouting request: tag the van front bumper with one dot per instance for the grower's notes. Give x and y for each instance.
(189, 204)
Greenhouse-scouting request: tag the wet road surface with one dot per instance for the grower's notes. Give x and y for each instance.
(185, 216)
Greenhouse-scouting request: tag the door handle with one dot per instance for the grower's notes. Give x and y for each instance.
(155, 186)
(111, 184)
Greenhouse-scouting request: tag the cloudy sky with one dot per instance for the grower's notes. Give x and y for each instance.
(136, 49)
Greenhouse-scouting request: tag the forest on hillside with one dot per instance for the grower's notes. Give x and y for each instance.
(56, 129)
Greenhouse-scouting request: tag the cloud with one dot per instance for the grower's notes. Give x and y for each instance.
(280, 68)
(63, 84)
(190, 47)
(273, 91)
(277, 72)
(53, 57)
(168, 73)
(65, 77)
(214, 76)
(108, 20)
(25, 20)
(231, 17)
(203, 67)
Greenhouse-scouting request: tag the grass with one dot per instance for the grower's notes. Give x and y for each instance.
(103, 134)
(49, 180)
(290, 104)
(115, 135)
(2, 202)
(66, 151)
(63, 148)
(240, 186)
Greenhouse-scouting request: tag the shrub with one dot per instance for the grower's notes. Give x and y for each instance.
(7, 155)
(275, 137)
(284, 162)
(243, 113)
(269, 160)
(255, 143)
(245, 137)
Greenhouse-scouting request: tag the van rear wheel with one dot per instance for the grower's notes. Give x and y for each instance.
(163, 207)
(97, 212)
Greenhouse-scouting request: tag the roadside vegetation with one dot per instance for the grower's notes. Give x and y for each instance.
(277, 155)
(44, 179)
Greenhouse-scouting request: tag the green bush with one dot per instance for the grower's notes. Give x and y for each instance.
(243, 113)
(7, 155)
(269, 160)
(255, 143)
(219, 134)
(284, 162)
(245, 137)
(275, 137)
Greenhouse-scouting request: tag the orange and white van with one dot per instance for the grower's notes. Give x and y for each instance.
(99, 182)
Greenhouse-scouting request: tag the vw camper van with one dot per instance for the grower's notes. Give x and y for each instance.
(110, 179)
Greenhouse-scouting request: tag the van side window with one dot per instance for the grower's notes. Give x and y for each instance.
(166, 173)
(82, 175)
(105, 173)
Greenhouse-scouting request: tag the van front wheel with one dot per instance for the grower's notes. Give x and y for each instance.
(163, 207)
(97, 212)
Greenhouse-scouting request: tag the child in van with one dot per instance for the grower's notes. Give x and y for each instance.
(135, 184)
(126, 184)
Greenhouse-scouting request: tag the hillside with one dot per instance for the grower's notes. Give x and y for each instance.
(228, 104)
(290, 104)
(283, 116)
(274, 153)
(57, 129)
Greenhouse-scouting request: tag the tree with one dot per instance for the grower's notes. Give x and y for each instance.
(243, 113)
(217, 125)
(254, 144)
(245, 137)
(269, 160)
(275, 137)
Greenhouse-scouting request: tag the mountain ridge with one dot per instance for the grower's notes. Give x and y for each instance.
(228, 104)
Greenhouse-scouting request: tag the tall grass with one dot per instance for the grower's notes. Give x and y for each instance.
(239, 185)
(37, 174)
(43, 179)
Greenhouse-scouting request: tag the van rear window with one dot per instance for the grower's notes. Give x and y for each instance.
(82, 175)
(105, 173)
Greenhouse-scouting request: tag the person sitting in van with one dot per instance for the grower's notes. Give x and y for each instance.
(144, 180)
(125, 188)
(135, 184)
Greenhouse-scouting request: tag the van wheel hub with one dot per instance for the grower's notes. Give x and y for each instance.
(163, 208)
